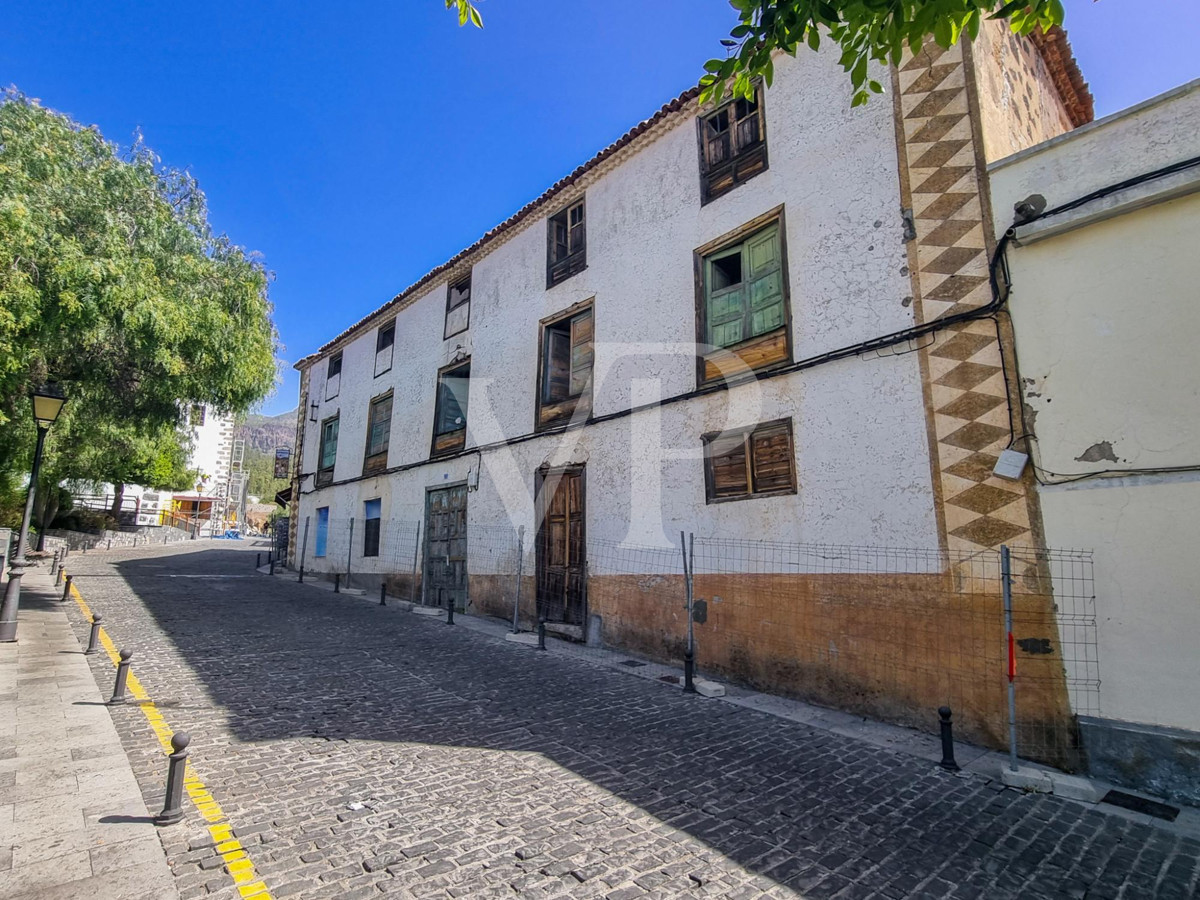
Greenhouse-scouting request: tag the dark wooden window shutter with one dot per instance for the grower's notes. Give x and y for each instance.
(750, 462)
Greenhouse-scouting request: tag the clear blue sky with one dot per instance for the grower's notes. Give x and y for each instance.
(357, 145)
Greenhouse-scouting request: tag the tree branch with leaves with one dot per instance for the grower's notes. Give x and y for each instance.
(865, 31)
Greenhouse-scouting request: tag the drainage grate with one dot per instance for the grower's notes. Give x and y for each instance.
(632, 663)
(1141, 804)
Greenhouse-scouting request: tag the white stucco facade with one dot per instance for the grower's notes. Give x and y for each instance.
(1105, 305)
(861, 452)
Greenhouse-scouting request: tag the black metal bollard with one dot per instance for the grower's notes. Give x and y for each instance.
(109, 544)
(258, 560)
(302, 575)
(67, 589)
(383, 593)
(541, 634)
(689, 670)
(122, 676)
(271, 564)
(54, 564)
(94, 637)
(173, 804)
(450, 612)
(337, 583)
(947, 762)
(270, 556)
(58, 578)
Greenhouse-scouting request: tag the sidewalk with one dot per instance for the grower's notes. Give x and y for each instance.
(72, 819)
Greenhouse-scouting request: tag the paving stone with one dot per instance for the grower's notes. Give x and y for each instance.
(487, 770)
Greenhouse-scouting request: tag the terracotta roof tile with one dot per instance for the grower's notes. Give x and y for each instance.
(1055, 50)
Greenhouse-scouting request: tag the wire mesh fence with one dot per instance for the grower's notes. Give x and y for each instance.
(890, 633)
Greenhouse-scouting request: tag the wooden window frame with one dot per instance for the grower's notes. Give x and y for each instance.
(330, 374)
(197, 415)
(377, 461)
(559, 270)
(451, 286)
(747, 434)
(324, 474)
(379, 333)
(774, 345)
(740, 156)
(552, 414)
(450, 441)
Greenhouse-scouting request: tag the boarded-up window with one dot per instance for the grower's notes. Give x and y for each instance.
(733, 146)
(450, 413)
(749, 462)
(379, 426)
(333, 376)
(328, 451)
(567, 356)
(567, 250)
(458, 307)
(385, 344)
(372, 511)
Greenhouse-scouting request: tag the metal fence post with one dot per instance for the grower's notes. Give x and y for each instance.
(349, 551)
(383, 593)
(689, 656)
(412, 588)
(304, 548)
(1006, 588)
(520, 560)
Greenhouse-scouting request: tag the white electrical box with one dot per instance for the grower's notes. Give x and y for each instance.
(1011, 464)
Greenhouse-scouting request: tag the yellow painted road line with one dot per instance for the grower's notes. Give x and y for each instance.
(237, 860)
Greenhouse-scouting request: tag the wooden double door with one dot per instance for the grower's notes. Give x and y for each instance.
(561, 546)
(445, 567)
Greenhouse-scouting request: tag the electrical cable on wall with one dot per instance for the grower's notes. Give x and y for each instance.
(1044, 476)
(999, 277)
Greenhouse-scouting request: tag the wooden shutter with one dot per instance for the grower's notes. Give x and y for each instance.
(764, 278)
(581, 354)
(772, 460)
(381, 423)
(329, 439)
(726, 307)
(558, 365)
(728, 475)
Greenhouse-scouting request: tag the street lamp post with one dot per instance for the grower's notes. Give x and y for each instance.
(48, 402)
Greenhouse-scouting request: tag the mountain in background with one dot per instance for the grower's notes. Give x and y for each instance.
(263, 434)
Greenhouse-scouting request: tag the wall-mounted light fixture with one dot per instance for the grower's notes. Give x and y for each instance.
(312, 416)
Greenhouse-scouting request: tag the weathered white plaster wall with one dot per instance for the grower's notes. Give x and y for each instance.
(211, 443)
(859, 424)
(1106, 306)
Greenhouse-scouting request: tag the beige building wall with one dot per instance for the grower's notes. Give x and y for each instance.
(1020, 103)
(1106, 305)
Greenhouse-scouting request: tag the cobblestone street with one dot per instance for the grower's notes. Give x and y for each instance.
(359, 750)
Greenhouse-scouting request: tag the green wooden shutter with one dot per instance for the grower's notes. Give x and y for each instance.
(765, 282)
(329, 444)
(726, 306)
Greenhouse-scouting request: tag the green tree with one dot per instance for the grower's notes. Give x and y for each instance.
(113, 283)
(864, 30)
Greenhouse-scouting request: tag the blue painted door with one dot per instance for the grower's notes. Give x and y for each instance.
(322, 531)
